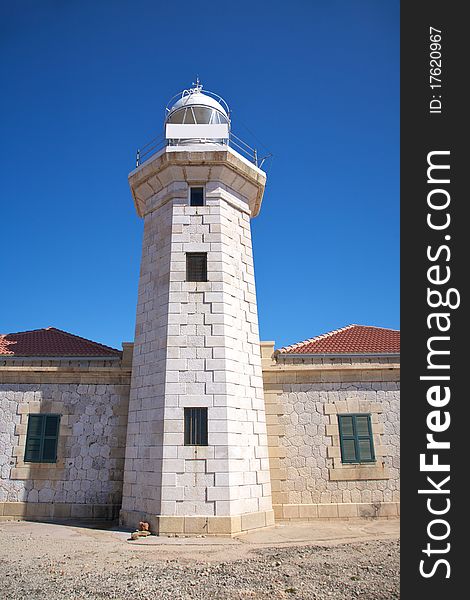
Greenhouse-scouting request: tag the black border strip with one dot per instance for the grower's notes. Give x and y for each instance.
(424, 132)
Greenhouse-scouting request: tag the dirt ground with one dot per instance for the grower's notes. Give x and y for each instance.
(343, 560)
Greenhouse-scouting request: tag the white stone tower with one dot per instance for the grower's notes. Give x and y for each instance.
(197, 456)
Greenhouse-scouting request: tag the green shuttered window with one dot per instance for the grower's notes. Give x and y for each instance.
(195, 426)
(41, 438)
(355, 434)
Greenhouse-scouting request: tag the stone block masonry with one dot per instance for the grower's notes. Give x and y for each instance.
(86, 480)
(196, 345)
(303, 400)
(312, 469)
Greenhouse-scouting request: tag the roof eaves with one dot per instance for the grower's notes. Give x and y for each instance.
(338, 354)
(288, 349)
(73, 335)
(33, 357)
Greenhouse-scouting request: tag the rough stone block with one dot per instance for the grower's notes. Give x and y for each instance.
(388, 509)
(224, 525)
(359, 473)
(81, 511)
(253, 521)
(290, 511)
(346, 511)
(328, 511)
(333, 452)
(39, 509)
(168, 525)
(14, 509)
(367, 510)
(61, 510)
(270, 518)
(196, 525)
(308, 511)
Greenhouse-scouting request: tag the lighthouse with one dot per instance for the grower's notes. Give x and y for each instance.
(197, 453)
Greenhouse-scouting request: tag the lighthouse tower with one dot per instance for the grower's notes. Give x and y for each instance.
(197, 456)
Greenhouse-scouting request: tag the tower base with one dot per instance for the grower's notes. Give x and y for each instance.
(198, 525)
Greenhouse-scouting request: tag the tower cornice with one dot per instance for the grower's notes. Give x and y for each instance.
(172, 164)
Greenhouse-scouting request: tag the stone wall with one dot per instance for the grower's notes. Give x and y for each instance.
(86, 480)
(303, 399)
(196, 345)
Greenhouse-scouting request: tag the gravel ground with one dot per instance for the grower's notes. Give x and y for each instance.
(58, 562)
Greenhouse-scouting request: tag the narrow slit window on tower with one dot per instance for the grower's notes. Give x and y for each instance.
(196, 196)
(196, 266)
(195, 426)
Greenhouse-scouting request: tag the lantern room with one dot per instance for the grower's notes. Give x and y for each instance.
(193, 116)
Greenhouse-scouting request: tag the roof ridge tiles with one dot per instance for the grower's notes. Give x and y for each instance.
(314, 339)
(73, 335)
(352, 339)
(51, 341)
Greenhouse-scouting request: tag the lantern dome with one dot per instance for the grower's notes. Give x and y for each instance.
(195, 107)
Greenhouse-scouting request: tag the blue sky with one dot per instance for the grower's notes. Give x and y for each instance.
(85, 83)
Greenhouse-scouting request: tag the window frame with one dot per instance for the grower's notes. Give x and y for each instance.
(196, 434)
(356, 438)
(199, 187)
(204, 270)
(42, 437)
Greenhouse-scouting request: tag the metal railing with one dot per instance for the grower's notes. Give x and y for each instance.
(158, 143)
(149, 149)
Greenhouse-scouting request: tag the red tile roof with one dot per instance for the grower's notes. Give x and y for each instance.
(353, 339)
(51, 342)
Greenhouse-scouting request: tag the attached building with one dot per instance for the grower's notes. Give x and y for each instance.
(332, 417)
(332, 406)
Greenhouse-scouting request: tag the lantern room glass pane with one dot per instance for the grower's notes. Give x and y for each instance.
(188, 118)
(176, 117)
(202, 114)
